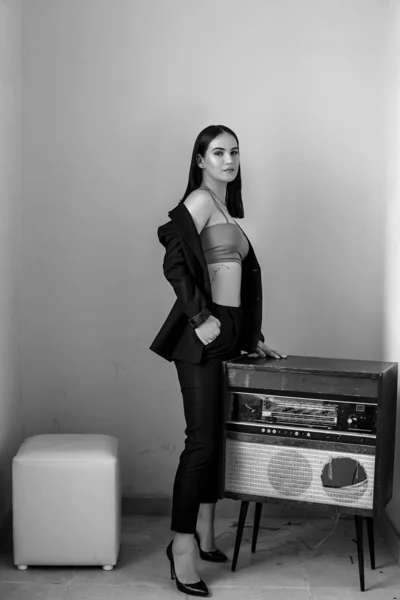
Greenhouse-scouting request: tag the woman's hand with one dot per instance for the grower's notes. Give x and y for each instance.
(264, 350)
(209, 330)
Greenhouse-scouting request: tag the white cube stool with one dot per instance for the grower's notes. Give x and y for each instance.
(66, 501)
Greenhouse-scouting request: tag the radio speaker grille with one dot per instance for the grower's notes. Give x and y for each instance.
(296, 473)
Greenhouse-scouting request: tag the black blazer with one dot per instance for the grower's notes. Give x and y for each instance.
(186, 269)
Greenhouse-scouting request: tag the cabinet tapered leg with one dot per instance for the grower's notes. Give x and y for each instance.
(371, 540)
(360, 549)
(242, 520)
(256, 527)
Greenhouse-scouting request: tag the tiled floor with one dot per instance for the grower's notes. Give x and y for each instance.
(286, 566)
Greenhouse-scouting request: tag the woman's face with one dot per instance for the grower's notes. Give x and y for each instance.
(221, 160)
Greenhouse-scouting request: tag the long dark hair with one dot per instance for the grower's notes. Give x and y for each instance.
(234, 202)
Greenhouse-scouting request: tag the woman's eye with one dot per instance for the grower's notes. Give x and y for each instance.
(235, 152)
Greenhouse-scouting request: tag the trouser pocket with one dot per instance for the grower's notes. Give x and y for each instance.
(228, 337)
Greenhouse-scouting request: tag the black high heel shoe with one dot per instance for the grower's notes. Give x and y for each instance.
(193, 589)
(213, 555)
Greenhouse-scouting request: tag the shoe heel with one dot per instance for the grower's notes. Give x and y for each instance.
(171, 560)
(212, 556)
(198, 588)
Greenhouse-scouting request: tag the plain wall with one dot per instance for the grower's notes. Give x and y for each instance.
(391, 329)
(115, 92)
(10, 203)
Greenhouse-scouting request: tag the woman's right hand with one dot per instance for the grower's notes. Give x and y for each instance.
(209, 330)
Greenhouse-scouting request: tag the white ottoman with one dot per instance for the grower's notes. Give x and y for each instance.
(66, 501)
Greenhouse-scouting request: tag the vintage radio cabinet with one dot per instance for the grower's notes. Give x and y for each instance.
(314, 430)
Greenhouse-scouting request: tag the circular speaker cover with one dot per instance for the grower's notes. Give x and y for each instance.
(344, 480)
(290, 473)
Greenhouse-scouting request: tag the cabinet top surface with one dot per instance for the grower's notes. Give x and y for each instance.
(343, 366)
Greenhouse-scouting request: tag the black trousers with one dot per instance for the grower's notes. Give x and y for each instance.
(198, 472)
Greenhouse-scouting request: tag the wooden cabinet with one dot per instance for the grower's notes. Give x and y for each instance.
(309, 429)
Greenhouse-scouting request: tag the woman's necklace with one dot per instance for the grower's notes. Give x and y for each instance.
(213, 194)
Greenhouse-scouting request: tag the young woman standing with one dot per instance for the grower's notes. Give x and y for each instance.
(213, 270)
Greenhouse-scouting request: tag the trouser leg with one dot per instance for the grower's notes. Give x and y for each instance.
(196, 479)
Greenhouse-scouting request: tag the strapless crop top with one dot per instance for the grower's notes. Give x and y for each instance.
(224, 242)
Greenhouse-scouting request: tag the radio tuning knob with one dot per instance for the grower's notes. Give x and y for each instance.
(296, 433)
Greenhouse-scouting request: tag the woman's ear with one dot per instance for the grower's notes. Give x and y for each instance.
(200, 161)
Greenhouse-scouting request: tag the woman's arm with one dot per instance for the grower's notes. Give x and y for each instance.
(200, 206)
(192, 301)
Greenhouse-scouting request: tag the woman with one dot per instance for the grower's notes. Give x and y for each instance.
(213, 270)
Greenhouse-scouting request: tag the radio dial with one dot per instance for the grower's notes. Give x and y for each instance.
(296, 433)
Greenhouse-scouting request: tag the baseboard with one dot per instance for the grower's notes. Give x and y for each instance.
(225, 508)
(389, 534)
(142, 505)
(6, 532)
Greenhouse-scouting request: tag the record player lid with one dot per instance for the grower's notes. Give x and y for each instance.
(313, 364)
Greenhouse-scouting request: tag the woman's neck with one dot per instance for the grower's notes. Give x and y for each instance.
(217, 187)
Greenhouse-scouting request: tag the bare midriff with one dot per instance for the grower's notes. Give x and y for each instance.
(225, 278)
(225, 246)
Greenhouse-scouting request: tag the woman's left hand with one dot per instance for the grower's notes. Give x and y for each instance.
(264, 350)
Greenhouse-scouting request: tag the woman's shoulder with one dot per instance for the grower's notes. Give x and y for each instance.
(200, 205)
(199, 198)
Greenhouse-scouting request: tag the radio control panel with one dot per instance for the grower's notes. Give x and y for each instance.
(298, 417)
(299, 434)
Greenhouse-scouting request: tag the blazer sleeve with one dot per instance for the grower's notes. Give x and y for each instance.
(191, 300)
